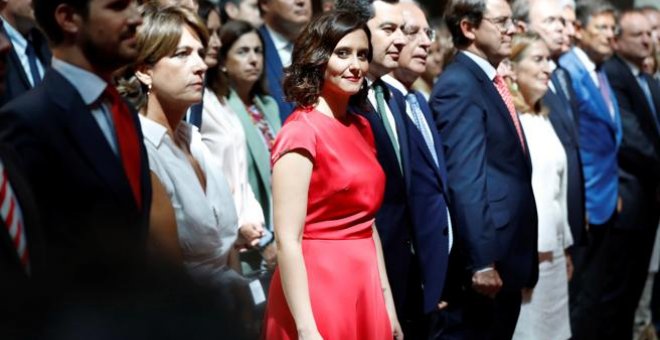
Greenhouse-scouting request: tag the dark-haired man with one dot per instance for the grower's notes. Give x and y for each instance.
(29, 56)
(488, 174)
(246, 10)
(82, 148)
(283, 22)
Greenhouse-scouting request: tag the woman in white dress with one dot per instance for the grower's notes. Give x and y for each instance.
(170, 67)
(544, 312)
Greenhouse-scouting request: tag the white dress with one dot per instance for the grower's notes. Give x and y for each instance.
(223, 134)
(545, 314)
(206, 220)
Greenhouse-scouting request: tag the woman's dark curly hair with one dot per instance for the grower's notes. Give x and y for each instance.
(303, 80)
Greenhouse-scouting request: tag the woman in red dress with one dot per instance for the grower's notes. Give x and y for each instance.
(327, 186)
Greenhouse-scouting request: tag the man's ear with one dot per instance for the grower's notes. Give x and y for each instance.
(521, 26)
(232, 10)
(468, 29)
(68, 19)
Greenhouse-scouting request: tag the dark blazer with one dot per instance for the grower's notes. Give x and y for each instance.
(562, 113)
(393, 220)
(21, 305)
(488, 176)
(274, 74)
(599, 139)
(17, 81)
(639, 154)
(94, 232)
(428, 204)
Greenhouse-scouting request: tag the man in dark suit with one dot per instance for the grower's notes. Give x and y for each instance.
(20, 247)
(639, 168)
(283, 21)
(488, 176)
(82, 149)
(599, 133)
(427, 199)
(29, 56)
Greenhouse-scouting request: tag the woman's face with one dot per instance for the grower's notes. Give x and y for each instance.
(348, 64)
(532, 72)
(179, 77)
(245, 60)
(213, 24)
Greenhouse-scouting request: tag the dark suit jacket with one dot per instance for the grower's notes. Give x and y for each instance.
(94, 232)
(639, 154)
(17, 81)
(488, 176)
(393, 220)
(428, 204)
(274, 74)
(21, 305)
(562, 113)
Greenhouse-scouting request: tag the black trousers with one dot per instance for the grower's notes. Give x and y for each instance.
(610, 273)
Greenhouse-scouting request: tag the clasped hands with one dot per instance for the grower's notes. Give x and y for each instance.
(487, 282)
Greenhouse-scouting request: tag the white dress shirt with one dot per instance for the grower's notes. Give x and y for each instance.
(206, 220)
(223, 134)
(19, 44)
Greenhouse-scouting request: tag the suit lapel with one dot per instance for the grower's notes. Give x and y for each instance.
(396, 105)
(437, 141)
(19, 69)
(86, 135)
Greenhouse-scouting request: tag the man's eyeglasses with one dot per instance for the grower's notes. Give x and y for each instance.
(412, 32)
(502, 23)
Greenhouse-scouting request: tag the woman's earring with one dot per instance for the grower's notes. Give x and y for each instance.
(148, 89)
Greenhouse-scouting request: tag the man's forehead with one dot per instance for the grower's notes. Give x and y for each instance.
(387, 12)
(545, 8)
(413, 15)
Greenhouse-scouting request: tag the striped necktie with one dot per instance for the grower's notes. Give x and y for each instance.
(11, 215)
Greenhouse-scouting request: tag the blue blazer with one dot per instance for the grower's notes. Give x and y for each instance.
(599, 140)
(274, 74)
(488, 175)
(94, 232)
(393, 219)
(427, 200)
(561, 117)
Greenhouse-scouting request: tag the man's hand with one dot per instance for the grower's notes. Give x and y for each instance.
(487, 282)
(249, 235)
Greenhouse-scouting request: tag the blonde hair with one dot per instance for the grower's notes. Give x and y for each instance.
(519, 46)
(158, 37)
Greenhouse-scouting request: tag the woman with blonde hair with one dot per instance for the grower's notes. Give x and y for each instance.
(544, 311)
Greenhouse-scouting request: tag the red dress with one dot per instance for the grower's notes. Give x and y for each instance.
(345, 191)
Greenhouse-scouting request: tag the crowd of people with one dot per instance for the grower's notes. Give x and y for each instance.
(338, 169)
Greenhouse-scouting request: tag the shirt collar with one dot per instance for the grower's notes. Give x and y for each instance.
(395, 83)
(483, 64)
(18, 41)
(633, 68)
(89, 85)
(155, 133)
(553, 66)
(584, 59)
(279, 40)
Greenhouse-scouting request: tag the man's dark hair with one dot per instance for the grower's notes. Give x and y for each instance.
(457, 10)
(362, 8)
(303, 80)
(205, 9)
(586, 9)
(44, 12)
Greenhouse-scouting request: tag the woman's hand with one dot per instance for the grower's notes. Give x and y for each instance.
(249, 235)
(397, 333)
(309, 334)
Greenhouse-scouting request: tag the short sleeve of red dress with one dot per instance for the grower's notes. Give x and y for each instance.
(294, 136)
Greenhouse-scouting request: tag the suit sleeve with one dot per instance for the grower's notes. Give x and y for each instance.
(461, 122)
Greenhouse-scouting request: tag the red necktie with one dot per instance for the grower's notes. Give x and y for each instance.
(10, 212)
(127, 139)
(503, 89)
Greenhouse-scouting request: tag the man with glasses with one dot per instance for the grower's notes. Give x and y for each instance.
(420, 318)
(489, 176)
(599, 134)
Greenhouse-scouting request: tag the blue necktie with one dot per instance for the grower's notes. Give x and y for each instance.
(418, 120)
(32, 61)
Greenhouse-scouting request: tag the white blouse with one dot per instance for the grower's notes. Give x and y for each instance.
(549, 182)
(223, 134)
(206, 221)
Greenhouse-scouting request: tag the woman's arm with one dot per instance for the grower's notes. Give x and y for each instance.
(163, 240)
(385, 284)
(291, 177)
